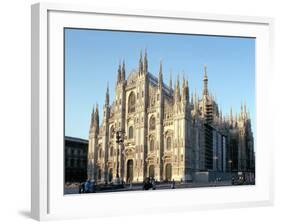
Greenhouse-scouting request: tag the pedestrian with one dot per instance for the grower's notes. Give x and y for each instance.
(81, 187)
(173, 184)
(88, 186)
(153, 184)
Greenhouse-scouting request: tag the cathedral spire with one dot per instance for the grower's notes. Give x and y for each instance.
(107, 95)
(245, 110)
(171, 81)
(195, 96)
(119, 73)
(183, 81)
(123, 74)
(241, 112)
(178, 82)
(205, 80)
(231, 117)
(183, 88)
(178, 89)
(235, 120)
(140, 64)
(93, 117)
(145, 63)
(160, 75)
(185, 91)
(196, 103)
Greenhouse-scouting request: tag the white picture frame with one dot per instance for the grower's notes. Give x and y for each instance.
(47, 198)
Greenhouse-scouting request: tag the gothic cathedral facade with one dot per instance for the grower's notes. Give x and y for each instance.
(167, 134)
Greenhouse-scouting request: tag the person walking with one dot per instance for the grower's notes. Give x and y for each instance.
(173, 184)
(153, 184)
(81, 187)
(88, 186)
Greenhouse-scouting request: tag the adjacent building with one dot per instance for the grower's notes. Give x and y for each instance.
(76, 154)
(168, 133)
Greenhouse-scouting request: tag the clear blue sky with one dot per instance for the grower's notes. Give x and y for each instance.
(92, 57)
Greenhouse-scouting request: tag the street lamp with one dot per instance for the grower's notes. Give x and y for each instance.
(119, 141)
(230, 164)
(230, 170)
(216, 167)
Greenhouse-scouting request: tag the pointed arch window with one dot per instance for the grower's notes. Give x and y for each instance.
(151, 145)
(168, 143)
(152, 123)
(111, 151)
(131, 132)
(132, 103)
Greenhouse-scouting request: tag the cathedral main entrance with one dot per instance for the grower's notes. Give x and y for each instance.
(130, 171)
(168, 172)
(151, 171)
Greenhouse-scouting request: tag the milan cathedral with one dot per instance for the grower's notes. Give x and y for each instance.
(167, 134)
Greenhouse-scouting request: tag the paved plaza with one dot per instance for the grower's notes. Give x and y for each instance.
(160, 186)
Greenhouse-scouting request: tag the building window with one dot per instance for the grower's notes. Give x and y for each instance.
(169, 143)
(151, 145)
(131, 132)
(131, 103)
(181, 157)
(69, 151)
(152, 123)
(68, 163)
(111, 151)
(72, 162)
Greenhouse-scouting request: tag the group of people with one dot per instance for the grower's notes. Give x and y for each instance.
(149, 183)
(87, 187)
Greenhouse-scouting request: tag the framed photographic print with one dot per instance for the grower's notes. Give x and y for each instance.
(160, 111)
